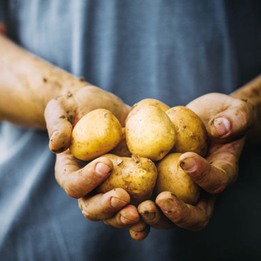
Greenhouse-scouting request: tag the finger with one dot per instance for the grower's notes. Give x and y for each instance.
(59, 117)
(190, 217)
(103, 206)
(233, 121)
(124, 218)
(77, 179)
(218, 171)
(139, 231)
(153, 216)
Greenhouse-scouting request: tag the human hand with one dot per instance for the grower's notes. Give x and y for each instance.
(79, 179)
(227, 120)
(63, 112)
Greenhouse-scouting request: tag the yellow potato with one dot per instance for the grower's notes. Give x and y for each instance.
(122, 149)
(191, 134)
(172, 178)
(136, 175)
(98, 132)
(135, 108)
(150, 133)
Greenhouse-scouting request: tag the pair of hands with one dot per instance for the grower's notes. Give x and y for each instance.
(227, 119)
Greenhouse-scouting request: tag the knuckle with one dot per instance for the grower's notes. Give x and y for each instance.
(75, 186)
(218, 189)
(177, 217)
(72, 190)
(106, 222)
(201, 226)
(244, 118)
(89, 216)
(72, 193)
(202, 176)
(244, 113)
(84, 207)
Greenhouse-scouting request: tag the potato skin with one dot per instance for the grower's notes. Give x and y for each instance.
(122, 149)
(136, 175)
(95, 134)
(154, 102)
(191, 133)
(150, 133)
(172, 178)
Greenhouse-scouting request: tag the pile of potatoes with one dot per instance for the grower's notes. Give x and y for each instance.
(145, 154)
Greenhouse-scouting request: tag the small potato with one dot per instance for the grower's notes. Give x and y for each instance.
(122, 149)
(150, 133)
(172, 178)
(98, 132)
(136, 175)
(135, 108)
(191, 134)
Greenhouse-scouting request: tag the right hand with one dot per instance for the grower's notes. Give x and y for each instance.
(63, 112)
(79, 179)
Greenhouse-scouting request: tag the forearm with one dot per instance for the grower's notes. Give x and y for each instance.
(27, 83)
(251, 92)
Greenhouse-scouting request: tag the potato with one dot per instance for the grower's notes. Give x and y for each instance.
(136, 175)
(191, 134)
(95, 134)
(172, 178)
(135, 108)
(150, 133)
(122, 149)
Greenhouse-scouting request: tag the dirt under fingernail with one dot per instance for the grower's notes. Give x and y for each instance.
(148, 215)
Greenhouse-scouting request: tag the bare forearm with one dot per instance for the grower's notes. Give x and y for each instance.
(27, 83)
(251, 92)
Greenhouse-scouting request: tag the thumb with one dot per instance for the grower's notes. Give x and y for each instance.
(232, 122)
(59, 125)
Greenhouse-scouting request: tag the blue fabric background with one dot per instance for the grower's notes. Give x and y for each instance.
(174, 51)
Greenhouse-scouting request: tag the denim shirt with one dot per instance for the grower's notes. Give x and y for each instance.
(174, 51)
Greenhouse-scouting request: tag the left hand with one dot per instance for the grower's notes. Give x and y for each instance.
(79, 179)
(227, 120)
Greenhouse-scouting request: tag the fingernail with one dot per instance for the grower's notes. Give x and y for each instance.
(118, 203)
(167, 206)
(124, 220)
(102, 169)
(148, 215)
(188, 165)
(222, 126)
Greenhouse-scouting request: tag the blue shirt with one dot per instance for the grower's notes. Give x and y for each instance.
(173, 51)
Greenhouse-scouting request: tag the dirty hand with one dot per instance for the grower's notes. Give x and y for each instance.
(79, 179)
(227, 119)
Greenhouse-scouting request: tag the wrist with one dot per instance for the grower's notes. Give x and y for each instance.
(251, 93)
(28, 83)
